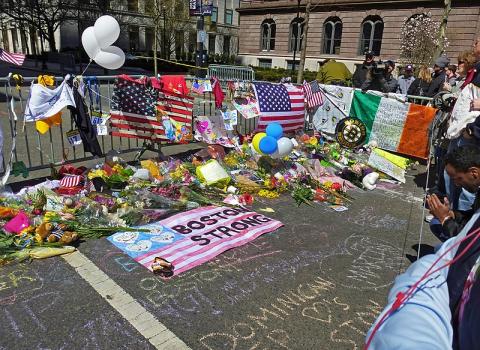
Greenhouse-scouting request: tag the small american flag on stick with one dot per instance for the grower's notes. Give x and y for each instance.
(15, 58)
(313, 94)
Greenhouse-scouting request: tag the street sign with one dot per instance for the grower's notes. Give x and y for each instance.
(201, 36)
(201, 7)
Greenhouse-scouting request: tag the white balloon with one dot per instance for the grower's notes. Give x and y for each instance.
(285, 146)
(90, 43)
(111, 58)
(107, 31)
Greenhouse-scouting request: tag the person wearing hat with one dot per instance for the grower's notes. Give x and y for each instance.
(381, 79)
(360, 74)
(390, 84)
(405, 80)
(439, 76)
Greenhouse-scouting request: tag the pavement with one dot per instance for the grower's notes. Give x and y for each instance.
(316, 283)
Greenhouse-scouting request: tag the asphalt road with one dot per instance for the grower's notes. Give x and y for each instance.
(316, 283)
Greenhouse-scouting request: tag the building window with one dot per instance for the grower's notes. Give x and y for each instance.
(134, 38)
(132, 5)
(211, 44)
(16, 47)
(149, 38)
(192, 42)
(296, 35)
(226, 45)
(264, 63)
(6, 43)
(214, 17)
(228, 16)
(290, 64)
(332, 36)
(269, 30)
(179, 44)
(150, 7)
(372, 32)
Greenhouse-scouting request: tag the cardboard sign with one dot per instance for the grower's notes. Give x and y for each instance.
(74, 138)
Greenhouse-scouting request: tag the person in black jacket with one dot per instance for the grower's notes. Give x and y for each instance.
(463, 167)
(420, 85)
(439, 77)
(360, 74)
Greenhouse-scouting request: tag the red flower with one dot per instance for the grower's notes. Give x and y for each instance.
(246, 199)
(336, 186)
(320, 195)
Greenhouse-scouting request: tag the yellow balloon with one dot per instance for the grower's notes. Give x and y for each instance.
(256, 141)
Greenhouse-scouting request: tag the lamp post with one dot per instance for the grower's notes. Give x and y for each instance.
(164, 32)
(296, 36)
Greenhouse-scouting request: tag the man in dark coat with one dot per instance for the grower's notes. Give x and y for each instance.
(439, 76)
(360, 74)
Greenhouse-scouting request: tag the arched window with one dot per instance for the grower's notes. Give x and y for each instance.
(332, 36)
(296, 35)
(372, 32)
(269, 30)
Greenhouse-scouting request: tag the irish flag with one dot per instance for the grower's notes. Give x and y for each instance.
(394, 125)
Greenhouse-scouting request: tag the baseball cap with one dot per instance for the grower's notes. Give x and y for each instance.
(369, 54)
(442, 62)
(409, 67)
(390, 63)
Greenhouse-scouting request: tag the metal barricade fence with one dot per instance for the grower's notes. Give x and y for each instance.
(223, 72)
(39, 151)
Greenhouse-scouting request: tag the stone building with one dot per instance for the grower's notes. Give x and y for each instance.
(343, 29)
(137, 29)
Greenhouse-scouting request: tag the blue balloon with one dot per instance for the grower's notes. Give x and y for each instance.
(268, 145)
(274, 130)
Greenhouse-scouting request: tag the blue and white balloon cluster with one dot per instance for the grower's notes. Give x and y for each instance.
(272, 142)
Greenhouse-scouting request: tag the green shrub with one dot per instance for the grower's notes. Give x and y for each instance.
(276, 74)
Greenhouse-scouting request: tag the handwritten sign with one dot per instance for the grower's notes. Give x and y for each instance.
(384, 165)
(73, 137)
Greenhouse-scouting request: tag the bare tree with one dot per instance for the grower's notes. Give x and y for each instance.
(170, 17)
(442, 37)
(301, 65)
(45, 16)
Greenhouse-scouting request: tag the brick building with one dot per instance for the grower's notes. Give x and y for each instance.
(343, 29)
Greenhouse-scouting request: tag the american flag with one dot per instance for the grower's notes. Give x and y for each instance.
(313, 94)
(137, 109)
(71, 180)
(15, 58)
(280, 103)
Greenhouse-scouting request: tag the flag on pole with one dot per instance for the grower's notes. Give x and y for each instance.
(280, 103)
(313, 94)
(15, 58)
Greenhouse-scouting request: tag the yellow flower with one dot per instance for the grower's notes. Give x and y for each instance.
(268, 194)
(328, 184)
(117, 168)
(96, 173)
(313, 141)
(48, 215)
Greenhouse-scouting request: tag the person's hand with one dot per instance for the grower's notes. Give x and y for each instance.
(475, 105)
(438, 209)
(466, 135)
(447, 87)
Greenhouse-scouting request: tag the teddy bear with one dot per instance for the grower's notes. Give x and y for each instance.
(59, 234)
(43, 231)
